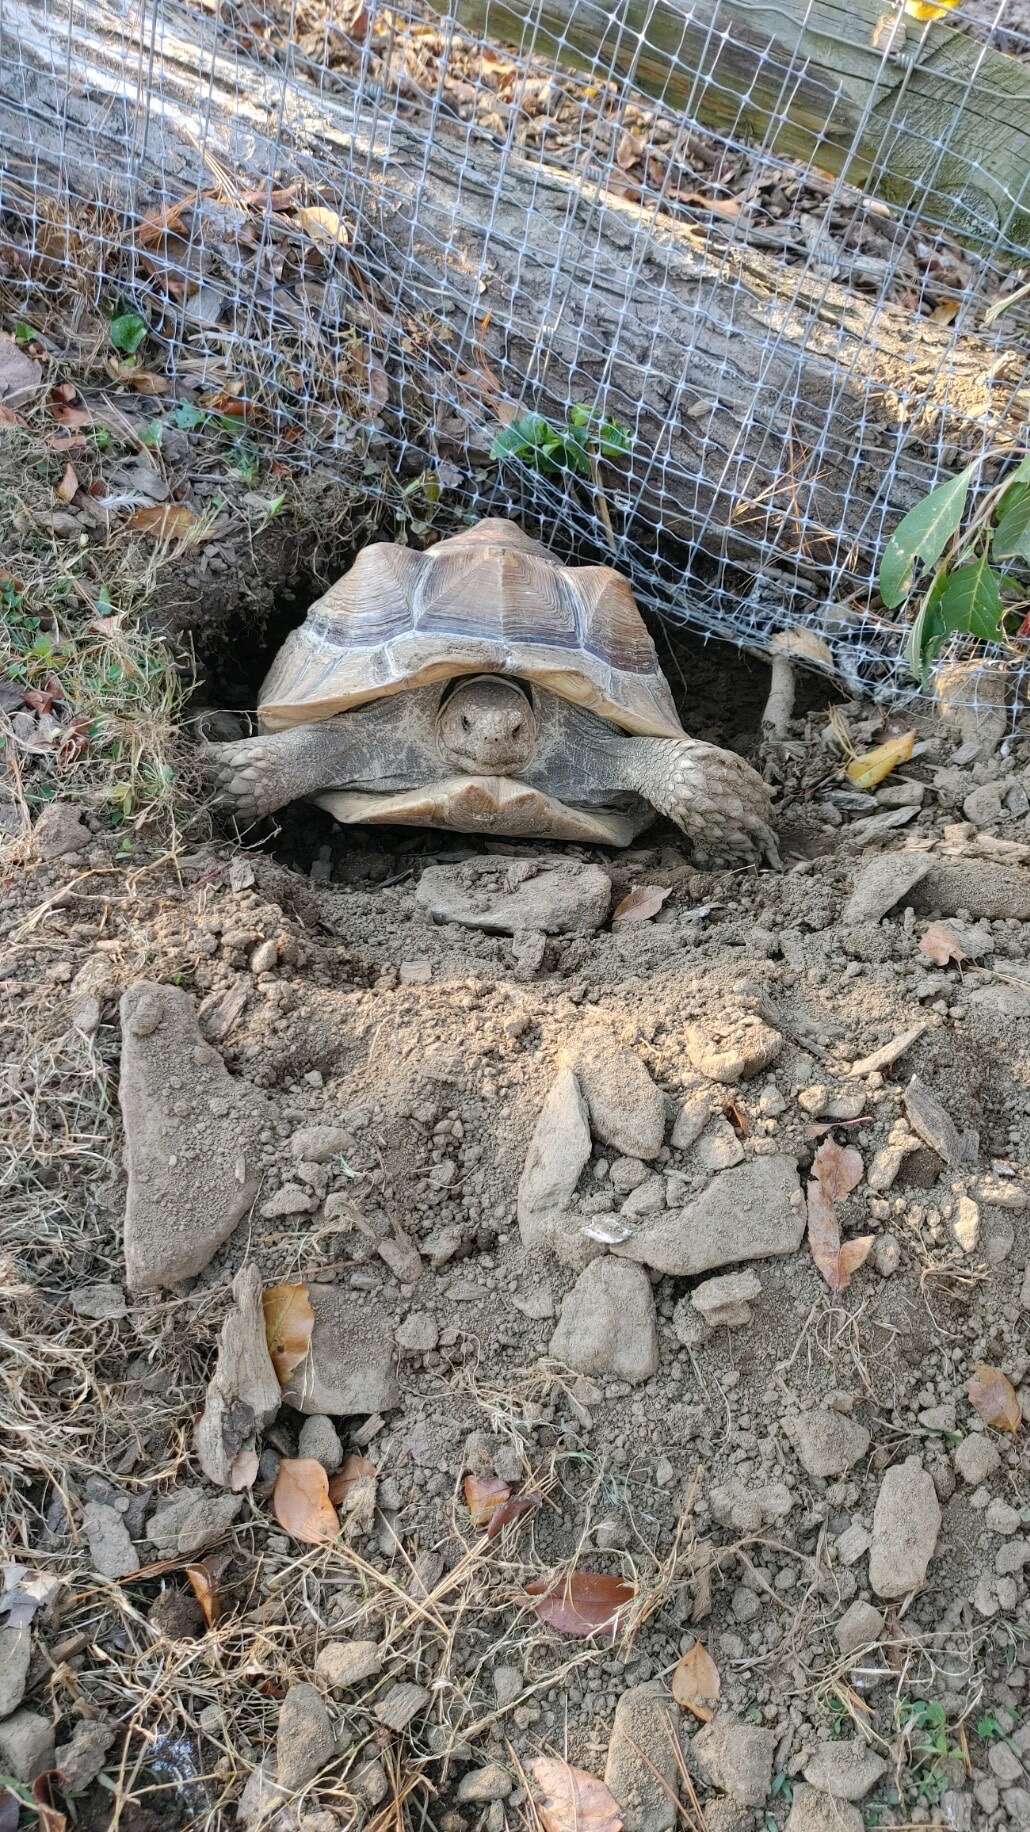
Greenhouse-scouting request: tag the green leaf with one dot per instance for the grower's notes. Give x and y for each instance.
(927, 632)
(971, 601)
(923, 535)
(580, 416)
(23, 333)
(614, 440)
(1011, 537)
(127, 332)
(186, 417)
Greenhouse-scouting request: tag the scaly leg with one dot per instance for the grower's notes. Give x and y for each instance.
(716, 798)
(255, 776)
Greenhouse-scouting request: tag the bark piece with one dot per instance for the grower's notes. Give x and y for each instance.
(243, 1394)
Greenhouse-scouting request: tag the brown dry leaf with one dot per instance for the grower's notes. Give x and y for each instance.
(837, 1260)
(326, 229)
(640, 904)
(165, 521)
(585, 1603)
(205, 1580)
(353, 1469)
(289, 1321)
(20, 375)
(68, 485)
(866, 771)
(159, 223)
(525, 1503)
(142, 382)
(73, 417)
(48, 1817)
(354, 1490)
(483, 1496)
(696, 1684)
(941, 945)
(993, 1396)
(571, 1800)
(838, 1168)
(301, 1502)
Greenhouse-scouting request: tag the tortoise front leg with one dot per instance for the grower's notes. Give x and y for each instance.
(255, 776)
(716, 798)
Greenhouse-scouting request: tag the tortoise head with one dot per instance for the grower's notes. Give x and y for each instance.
(486, 726)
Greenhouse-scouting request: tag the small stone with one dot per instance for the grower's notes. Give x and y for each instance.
(977, 1458)
(1004, 1764)
(508, 1684)
(415, 973)
(348, 1663)
(264, 957)
(402, 1703)
(847, 1770)
(81, 1759)
(15, 1649)
(243, 1394)
(190, 1519)
(859, 1627)
(828, 1443)
(534, 895)
(320, 1144)
(725, 1303)
(1002, 1517)
(628, 1174)
(419, 1334)
(292, 1199)
(558, 1151)
(928, 1118)
(719, 1147)
(965, 1224)
(753, 1211)
(882, 883)
(102, 1303)
(304, 1740)
(640, 1771)
(733, 1049)
(318, 1440)
(627, 1110)
(852, 1544)
(748, 1507)
(60, 830)
(349, 1366)
(906, 1522)
(493, 1782)
(259, 1799)
(608, 1323)
(887, 1255)
(692, 1118)
(737, 1757)
(26, 1746)
(985, 804)
(813, 1811)
(647, 1199)
(111, 1549)
(399, 1252)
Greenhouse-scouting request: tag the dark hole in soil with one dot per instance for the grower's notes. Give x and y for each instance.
(720, 692)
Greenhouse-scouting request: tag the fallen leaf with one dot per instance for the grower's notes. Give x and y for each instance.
(24, 1592)
(838, 1168)
(48, 1817)
(584, 1603)
(571, 1800)
(941, 945)
(68, 485)
(736, 1115)
(837, 1260)
(326, 229)
(866, 771)
(483, 1496)
(640, 904)
(73, 417)
(165, 521)
(289, 1321)
(301, 1504)
(352, 1470)
(142, 382)
(525, 1503)
(39, 699)
(993, 1396)
(696, 1684)
(20, 375)
(206, 1579)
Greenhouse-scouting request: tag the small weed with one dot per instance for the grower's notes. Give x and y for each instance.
(127, 332)
(924, 1727)
(585, 437)
(840, 1718)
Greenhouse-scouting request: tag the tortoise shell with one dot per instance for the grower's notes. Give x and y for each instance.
(488, 601)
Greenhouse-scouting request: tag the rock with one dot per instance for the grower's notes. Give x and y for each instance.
(719, 1147)
(521, 894)
(828, 1443)
(1005, 1001)
(304, 1740)
(483, 1784)
(965, 1224)
(852, 1544)
(881, 884)
(848, 1771)
(102, 1303)
(60, 831)
(692, 1118)
(26, 1746)
(189, 1520)
(318, 1144)
(264, 957)
(985, 805)
(347, 1663)
(935, 1127)
(906, 1522)
(977, 1458)
(627, 1174)
(191, 1139)
(401, 1704)
(243, 1394)
(259, 1800)
(292, 1199)
(15, 1649)
(318, 1440)
(748, 1506)
(732, 1049)
(813, 1811)
(558, 1150)
(627, 1111)
(737, 1758)
(110, 1546)
(81, 1759)
(415, 973)
(859, 1627)
(979, 887)
(753, 1211)
(419, 1334)
(725, 1303)
(1001, 1517)
(640, 1771)
(349, 1366)
(508, 1683)
(646, 1200)
(608, 1323)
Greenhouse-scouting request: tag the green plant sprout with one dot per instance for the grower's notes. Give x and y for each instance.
(924, 1725)
(586, 437)
(968, 576)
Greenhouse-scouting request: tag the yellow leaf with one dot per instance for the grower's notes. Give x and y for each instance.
(289, 1321)
(994, 1397)
(571, 1800)
(866, 771)
(166, 522)
(326, 229)
(301, 1504)
(696, 1684)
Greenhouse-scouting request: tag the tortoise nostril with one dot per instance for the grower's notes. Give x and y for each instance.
(516, 728)
(466, 722)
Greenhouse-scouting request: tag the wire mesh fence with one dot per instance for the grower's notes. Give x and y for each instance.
(714, 292)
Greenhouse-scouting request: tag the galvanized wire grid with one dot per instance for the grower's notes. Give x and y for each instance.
(410, 236)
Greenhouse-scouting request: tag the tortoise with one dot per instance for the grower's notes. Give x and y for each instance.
(483, 686)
